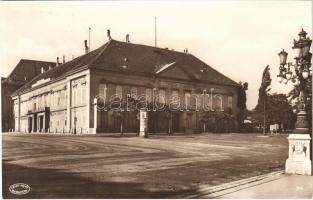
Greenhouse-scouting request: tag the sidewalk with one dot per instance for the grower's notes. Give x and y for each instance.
(275, 185)
(284, 187)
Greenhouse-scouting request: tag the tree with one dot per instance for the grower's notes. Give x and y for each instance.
(279, 111)
(217, 121)
(242, 99)
(263, 90)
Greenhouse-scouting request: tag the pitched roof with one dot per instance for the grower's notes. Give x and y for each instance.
(27, 69)
(136, 59)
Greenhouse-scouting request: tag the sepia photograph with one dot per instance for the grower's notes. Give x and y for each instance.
(156, 99)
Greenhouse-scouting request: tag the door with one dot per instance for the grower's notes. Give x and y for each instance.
(41, 123)
(176, 122)
(30, 124)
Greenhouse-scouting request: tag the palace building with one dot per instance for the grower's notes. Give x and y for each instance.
(61, 99)
(23, 72)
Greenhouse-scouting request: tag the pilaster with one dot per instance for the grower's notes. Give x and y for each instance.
(68, 105)
(88, 102)
(19, 113)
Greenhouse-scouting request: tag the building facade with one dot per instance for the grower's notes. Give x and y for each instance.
(24, 72)
(65, 99)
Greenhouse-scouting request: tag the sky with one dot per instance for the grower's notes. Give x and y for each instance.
(237, 38)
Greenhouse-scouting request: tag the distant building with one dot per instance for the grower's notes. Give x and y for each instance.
(62, 99)
(24, 72)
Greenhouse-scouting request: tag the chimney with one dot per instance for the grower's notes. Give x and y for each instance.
(127, 38)
(63, 59)
(86, 47)
(57, 62)
(109, 34)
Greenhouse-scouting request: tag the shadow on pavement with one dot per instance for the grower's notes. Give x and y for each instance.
(52, 183)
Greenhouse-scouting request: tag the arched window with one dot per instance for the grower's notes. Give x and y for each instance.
(133, 93)
(119, 91)
(83, 94)
(230, 102)
(218, 102)
(162, 96)
(103, 91)
(148, 95)
(187, 100)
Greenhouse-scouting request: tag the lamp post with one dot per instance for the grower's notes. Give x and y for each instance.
(300, 74)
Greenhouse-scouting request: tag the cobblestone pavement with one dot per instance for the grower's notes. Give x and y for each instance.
(110, 166)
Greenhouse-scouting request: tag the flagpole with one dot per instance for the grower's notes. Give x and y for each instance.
(89, 29)
(155, 32)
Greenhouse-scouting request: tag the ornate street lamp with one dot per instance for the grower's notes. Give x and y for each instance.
(299, 141)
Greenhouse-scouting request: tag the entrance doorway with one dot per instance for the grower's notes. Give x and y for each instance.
(41, 123)
(30, 124)
(176, 122)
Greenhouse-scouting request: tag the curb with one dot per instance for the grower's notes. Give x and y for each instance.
(206, 191)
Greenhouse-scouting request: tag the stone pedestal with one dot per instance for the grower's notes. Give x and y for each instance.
(299, 161)
(143, 123)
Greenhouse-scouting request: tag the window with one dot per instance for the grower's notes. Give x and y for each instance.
(218, 102)
(187, 99)
(148, 95)
(230, 102)
(39, 102)
(175, 94)
(59, 98)
(83, 95)
(175, 101)
(198, 101)
(119, 91)
(161, 96)
(45, 100)
(74, 95)
(103, 91)
(133, 93)
(78, 94)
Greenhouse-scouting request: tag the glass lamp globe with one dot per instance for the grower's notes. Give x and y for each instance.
(286, 81)
(280, 78)
(305, 74)
(283, 57)
(306, 49)
(298, 52)
(288, 75)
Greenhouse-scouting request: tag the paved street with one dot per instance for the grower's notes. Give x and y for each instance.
(162, 166)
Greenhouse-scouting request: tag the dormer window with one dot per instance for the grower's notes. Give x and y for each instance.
(42, 70)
